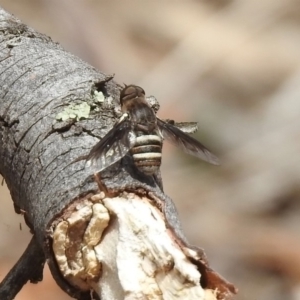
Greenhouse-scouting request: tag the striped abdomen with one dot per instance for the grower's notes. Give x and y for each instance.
(146, 153)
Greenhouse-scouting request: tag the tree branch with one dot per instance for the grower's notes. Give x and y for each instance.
(29, 267)
(54, 108)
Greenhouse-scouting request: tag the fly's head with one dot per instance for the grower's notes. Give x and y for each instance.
(131, 92)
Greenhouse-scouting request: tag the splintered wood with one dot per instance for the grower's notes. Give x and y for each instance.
(122, 249)
(74, 240)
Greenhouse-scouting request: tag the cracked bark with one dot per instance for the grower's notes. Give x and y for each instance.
(38, 154)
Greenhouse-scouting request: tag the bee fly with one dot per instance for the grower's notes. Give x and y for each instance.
(141, 133)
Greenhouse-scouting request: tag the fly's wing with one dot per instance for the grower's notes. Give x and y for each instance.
(114, 145)
(186, 127)
(186, 142)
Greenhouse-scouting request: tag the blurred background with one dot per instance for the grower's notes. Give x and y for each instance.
(231, 65)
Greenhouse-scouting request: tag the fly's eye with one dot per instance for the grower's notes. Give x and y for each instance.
(131, 92)
(128, 90)
(142, 91)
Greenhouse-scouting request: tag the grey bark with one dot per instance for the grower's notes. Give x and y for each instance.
(39, 155)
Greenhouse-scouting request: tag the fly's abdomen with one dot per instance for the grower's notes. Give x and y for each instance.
(146, 153)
